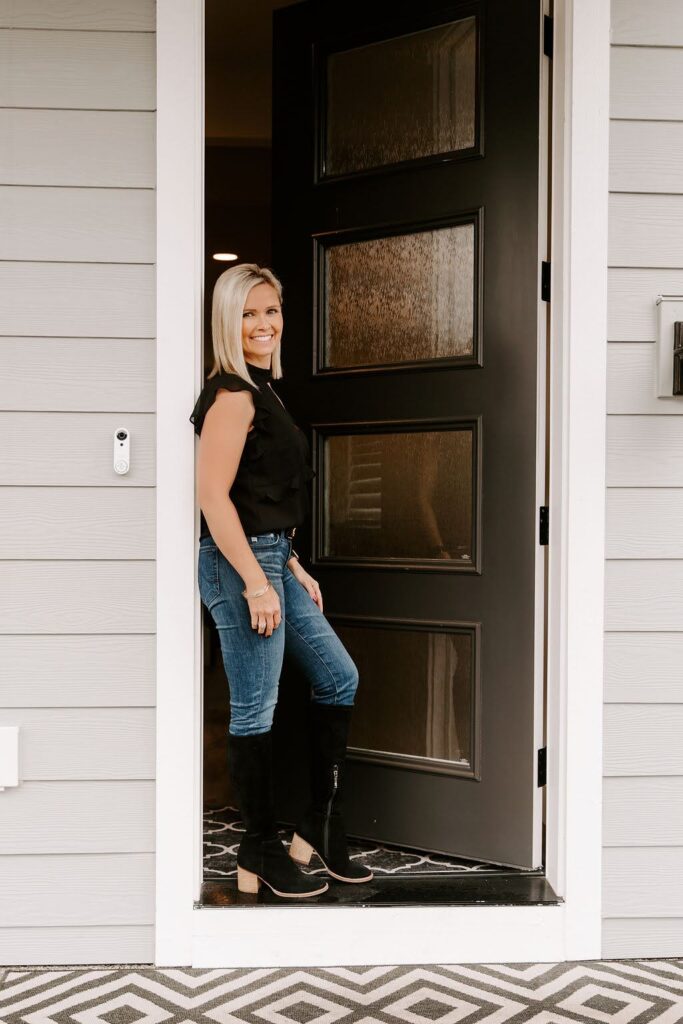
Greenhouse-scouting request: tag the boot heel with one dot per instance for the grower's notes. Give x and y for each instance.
(300, 850)
(247, 881)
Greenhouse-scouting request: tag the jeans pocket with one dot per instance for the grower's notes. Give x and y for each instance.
(207, 574)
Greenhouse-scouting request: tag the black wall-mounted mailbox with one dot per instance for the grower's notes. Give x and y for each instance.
(678, 357)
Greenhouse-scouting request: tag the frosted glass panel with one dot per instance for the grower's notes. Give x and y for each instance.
(405, 495)
(400, 298)
(401, 99)
(416, 693)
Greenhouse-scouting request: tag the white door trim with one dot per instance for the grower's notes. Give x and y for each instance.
(188, 935)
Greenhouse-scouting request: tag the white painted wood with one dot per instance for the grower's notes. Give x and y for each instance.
(85, 70)
(643, 739)
(105, 148)
(632, 381)
(626, 938)
(78, 522)
(644, 595)
(77, 671)
(283, 936)
(643, 811)
(82, 946)
(87, 443)
(646, 156)
(633, 882)
(77, 890)
(644, 451)
(78, 374)
(44, 818)
(77, 597)
(645, 523)
(657, 22)
(644, 668)
(83, 743)
(101, 225)
(646, 82)
(77, 300)
(632, 294)
(123, 16)
(646, 230)
(180, 273)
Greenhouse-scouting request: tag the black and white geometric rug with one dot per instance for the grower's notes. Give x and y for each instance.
(594, 992)
(223, 831)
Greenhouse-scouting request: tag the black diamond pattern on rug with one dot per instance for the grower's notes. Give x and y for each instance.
(593, 992)
(222, 834)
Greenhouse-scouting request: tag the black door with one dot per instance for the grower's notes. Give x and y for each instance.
(406, 222)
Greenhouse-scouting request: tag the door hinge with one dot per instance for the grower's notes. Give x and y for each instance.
(548, 25)
(542, 772)
(545, 281)
(543, 524)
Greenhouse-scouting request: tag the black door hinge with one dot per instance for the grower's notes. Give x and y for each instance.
(542, 766)
(547, 35)
(543, 524)
(545, 281)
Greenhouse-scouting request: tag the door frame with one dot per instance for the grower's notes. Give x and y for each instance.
(188, 935)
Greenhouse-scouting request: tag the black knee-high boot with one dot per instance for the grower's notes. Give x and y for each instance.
(262, 856)
(321, 829)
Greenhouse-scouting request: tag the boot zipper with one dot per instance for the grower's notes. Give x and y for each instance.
(326, 831)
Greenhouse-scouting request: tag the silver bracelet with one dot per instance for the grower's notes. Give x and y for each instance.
(294, 555)
(257, 593)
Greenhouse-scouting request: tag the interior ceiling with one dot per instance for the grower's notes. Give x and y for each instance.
(238, 67)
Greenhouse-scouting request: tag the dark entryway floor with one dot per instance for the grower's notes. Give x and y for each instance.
(402, 876)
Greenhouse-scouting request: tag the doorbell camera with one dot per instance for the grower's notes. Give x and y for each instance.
(121, 451)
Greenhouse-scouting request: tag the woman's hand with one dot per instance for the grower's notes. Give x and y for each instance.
(306, 580)
(265, 611)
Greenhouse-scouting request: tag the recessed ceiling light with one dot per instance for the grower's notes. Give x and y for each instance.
(225, 256)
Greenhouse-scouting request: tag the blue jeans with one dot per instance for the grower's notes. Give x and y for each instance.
(252, 661)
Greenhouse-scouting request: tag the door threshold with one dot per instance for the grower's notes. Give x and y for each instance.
(502, 887)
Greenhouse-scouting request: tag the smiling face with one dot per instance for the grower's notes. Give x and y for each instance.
(261, 324)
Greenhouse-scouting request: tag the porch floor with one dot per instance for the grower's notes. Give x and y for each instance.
(583, 992)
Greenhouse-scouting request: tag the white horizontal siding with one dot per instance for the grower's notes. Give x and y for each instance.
(79, 817)
(646, 82)
(85, 300)
(97, 70)
(77, 541)
(77, 597)
(644, 668)
(79, 670)
(78, 374)
(93, 148)
(78, 522)
(100, 225)
(77, 890)
(124, 15)
(631, 381)
(643, 811)
(643, 714)
(88, 438)
(118, 944)
(656, 23)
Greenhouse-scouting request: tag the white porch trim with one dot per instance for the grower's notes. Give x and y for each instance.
(297, 936)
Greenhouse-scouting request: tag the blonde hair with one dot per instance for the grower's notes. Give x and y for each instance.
(229, 299)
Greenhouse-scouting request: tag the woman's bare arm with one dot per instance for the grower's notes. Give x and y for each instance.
(221, 443)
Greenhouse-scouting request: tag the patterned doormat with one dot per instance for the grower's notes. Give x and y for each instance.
(609, 992)
(222, 834)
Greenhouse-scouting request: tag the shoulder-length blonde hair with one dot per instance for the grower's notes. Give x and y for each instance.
(229, 298)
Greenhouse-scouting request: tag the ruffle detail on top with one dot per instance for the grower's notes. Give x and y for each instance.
(231, 382)
(275, 461)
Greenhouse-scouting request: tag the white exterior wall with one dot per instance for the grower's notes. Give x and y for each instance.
(643, 714)
(77, 542)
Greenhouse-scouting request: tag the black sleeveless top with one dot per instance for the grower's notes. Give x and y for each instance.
(270, 489)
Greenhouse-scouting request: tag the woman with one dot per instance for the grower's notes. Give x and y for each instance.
(253, 468)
